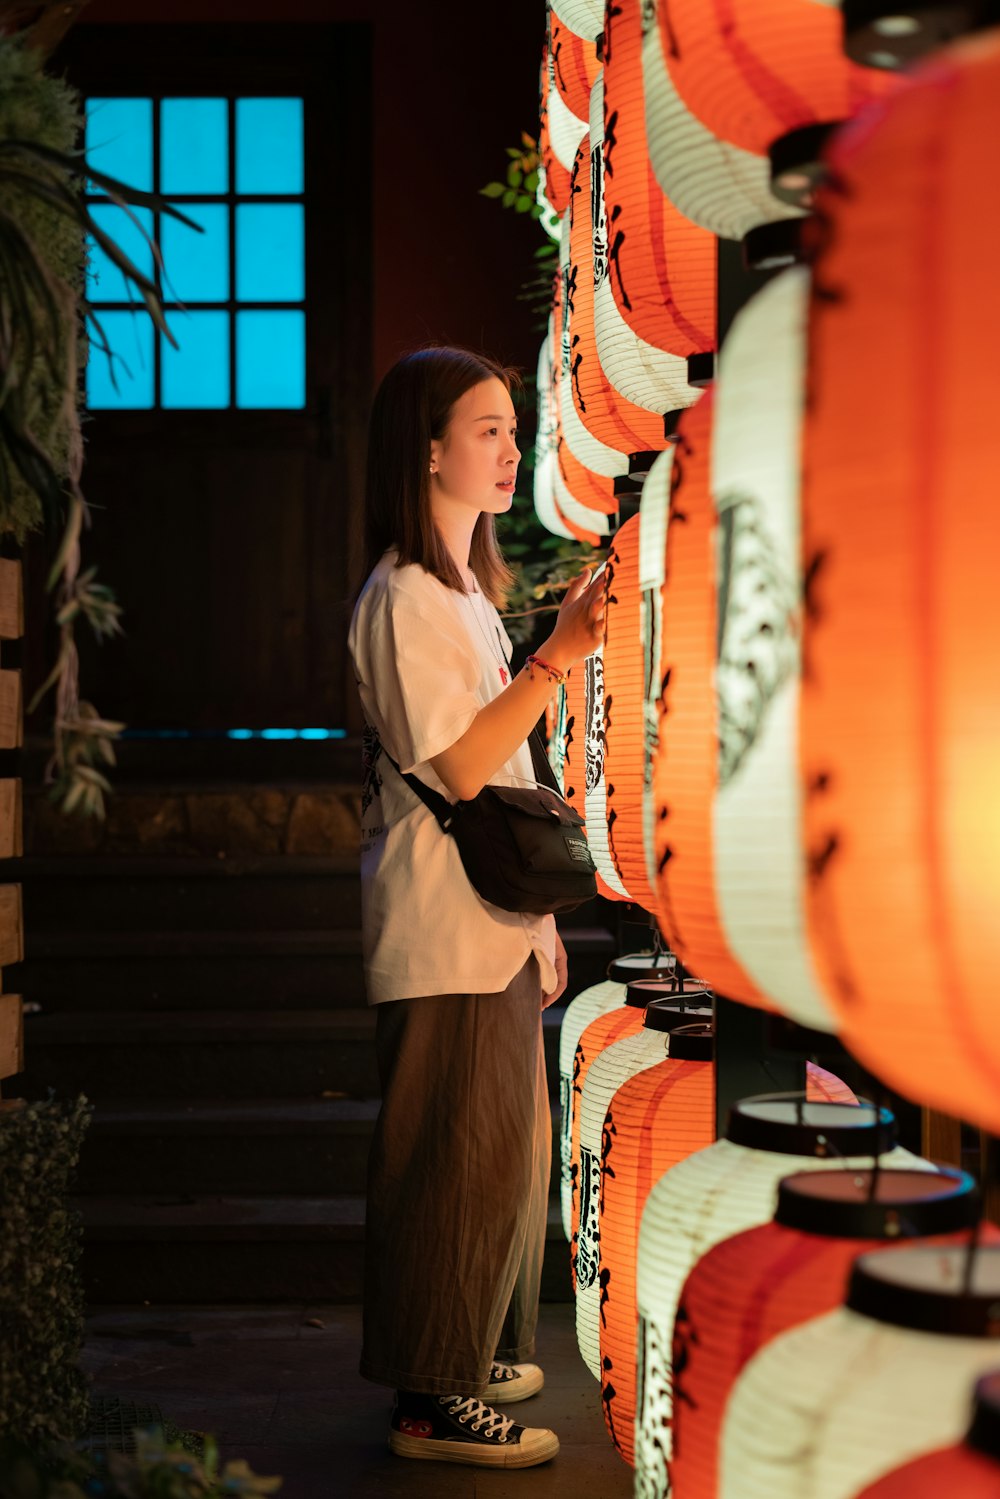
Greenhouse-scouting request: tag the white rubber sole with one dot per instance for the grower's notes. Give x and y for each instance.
(537, 1445)
(510, 1391)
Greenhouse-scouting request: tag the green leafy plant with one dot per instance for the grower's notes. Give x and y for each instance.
(43, 1395)
(44, 313)
(159, 1469)
(521, 192)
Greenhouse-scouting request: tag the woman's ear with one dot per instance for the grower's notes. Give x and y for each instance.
(435, 454)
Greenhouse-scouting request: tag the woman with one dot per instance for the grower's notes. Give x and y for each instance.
(459, 1168)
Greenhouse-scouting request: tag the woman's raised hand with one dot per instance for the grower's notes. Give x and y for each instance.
(579, 627)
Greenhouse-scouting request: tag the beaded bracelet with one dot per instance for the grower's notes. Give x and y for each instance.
(552, 672)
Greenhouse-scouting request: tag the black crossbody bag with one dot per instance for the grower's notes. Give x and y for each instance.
(523, 848)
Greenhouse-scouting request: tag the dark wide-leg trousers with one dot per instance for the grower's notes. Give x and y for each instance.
(458, 1183)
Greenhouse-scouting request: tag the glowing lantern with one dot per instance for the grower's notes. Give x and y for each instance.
(657, 1118)
(602, 1032)
(661, 268)
(585, 780)
(760, 866)
(590, 1005)
(584, 18)
(546, 445)
(832, 1405)
(575, 65)
(608, 1072)
(717, 185)
(758, 1284)
(823, 1086)
(653, 377)
(769, 68)
(685, 772)
(624, 716)
(717, 1192)
(900, 722)
(619, 423)
(553, 138)
(970, 1469)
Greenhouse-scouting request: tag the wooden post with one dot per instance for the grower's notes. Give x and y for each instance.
(941, 1138)
(11, 838)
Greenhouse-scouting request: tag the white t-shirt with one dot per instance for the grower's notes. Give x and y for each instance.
(427, 659)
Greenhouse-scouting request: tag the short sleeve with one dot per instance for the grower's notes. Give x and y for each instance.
(418, 671)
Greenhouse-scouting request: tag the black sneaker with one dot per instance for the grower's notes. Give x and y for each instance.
(464, 1429)
(512, 1382)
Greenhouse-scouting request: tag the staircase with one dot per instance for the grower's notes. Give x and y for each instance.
(194, 967)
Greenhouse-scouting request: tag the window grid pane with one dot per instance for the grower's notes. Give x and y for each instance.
(235, 343)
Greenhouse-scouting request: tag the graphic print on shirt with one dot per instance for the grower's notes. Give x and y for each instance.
(371, 785)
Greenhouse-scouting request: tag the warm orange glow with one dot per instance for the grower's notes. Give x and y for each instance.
(685, 773)
(556, 175)
(625, 757)
(900, 712)
(661, 266)
(604, 412)
(660, 1117)
(752, 70)
(575, 65)
(952, 1472)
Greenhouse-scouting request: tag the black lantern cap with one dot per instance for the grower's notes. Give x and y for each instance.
(771, 246)
(898, 1204)
(880, 34)
(668, 1015)
(984, 1433)
(922, 1288)
(797, 165)
(642, 965)
(701, 369)
(788, 1124)
(692, 1043)
(672, 990)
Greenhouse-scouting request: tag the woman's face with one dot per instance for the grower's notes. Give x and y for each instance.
(475, 463)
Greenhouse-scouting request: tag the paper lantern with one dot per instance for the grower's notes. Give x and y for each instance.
(626, 758)
(575, 64)
(608, 1072)
(546, 445)
(557, 172)
(658, 1117)
(760, 866)
(900, 725)
(830, 1406)
(970, 1469)
(763, 68)
(652, 374)
(583, 17)
(661, 268)
(717, 185)
(685, 771)
(653, 512)
(585, 782)
(600, 1033)
(758, 1284)
(717, 1192)
(604, 411)
(598, 1000)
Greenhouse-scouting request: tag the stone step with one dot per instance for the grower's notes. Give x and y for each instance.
(221, 1054)
(166, 1248)
(197, 761)
(282, 892)
(233, 1147)
(246, 971)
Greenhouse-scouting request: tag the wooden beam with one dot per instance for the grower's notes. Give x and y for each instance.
(11, 1035)
(11, 820)
(11, 717)
(11, 925)
(941, 1138)
(11, 599)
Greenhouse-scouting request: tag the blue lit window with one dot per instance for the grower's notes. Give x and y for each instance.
(235, 294)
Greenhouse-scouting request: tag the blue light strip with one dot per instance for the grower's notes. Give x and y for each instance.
(234, 734)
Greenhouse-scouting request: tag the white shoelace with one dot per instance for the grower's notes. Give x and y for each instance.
(483, 1417)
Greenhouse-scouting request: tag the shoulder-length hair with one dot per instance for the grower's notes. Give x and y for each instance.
(412, 407)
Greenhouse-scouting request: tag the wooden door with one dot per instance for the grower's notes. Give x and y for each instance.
(226, 527)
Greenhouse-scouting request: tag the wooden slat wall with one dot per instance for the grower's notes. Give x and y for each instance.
(11, 842)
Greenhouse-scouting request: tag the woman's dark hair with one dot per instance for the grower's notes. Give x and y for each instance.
(412, 407)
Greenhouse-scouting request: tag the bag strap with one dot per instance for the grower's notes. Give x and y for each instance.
(443, 809)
